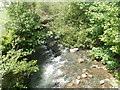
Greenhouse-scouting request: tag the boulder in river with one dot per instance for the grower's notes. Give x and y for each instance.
(99, 67)
(81, 60)
(107, 80)
(74, 50)
(94, 66)
(76, 81)
(84, 70)
(104, 68)
(78, 77)
(54, 83)
(89, 75)
(84, 75)
(102, 82)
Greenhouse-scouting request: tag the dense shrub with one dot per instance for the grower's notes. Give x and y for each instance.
(26, 24)
(106, 56)
(17, 66)
(72, 18)
(24, 31)
(105, 17)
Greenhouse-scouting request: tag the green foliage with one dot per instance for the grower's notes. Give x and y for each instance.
(9, 40)
(45, 9)
(24, 31)
(91, 25)
(104, 19)
(15, 63)
(72, 18)
(75, 39)
(117, 75)
(104, 28)
(106, 56)
(26, 24)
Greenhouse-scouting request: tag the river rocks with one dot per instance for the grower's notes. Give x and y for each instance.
(78, 77)
(114, 83)
(94, 66)
(70, 84)
(54, 83)
(99, 67)
(74, 50)
(84, 76)
(81, 60)
(89, 75)
(76, 81)
(104, 68)
(107, 80)
(102, 82)
(84, 70)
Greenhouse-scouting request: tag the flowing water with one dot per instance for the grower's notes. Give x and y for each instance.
(60, 70)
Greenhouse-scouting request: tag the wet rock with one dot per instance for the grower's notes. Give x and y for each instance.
(81, 60)
(54, 84)
(84, 75)
(89, 75)
(84, 70)
(102, 82)
(99, 67)
(112, 78)
(76, 81)
(94, 66)
(104, 68)
(78, 77)
(107, 80)
(74, 50)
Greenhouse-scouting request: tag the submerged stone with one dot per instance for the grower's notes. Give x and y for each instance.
(89, 75)
(84, 70)
(94, 66)
(54, 83)
(84, 75)
(81, 60)
(78, 77)
(76, 81)
(107, 80)
(74, 50)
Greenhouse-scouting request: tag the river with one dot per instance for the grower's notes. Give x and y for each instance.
(64, 70)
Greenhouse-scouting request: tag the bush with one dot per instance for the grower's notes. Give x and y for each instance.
(106, 56)
(24, 31)
(26, 24)
(17, 66)
(72, 18)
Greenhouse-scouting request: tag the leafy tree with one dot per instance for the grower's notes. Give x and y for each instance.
(24, 31)
(26, 24)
